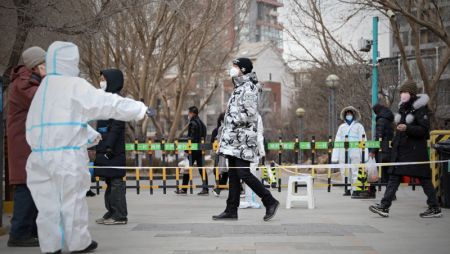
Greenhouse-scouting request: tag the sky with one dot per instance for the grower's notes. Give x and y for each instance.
(349, 34)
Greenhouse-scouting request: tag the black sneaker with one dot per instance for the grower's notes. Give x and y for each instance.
(380, 210)
(363, 195)
(88, 249)
(347, 193)
(112, 221)
(56, 252)
(30, 242)
(432, 212)
(271, 211)
(225, 216)
(355, 194)
(203, 193)
(216, 192)
(90, 193)
(181, 192)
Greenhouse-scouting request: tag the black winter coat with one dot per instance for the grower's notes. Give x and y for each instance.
(196, 130)
(385, 130)
(411, 145)
(113, 134)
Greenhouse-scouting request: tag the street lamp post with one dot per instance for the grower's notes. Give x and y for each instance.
(332, 82)
(300, 112)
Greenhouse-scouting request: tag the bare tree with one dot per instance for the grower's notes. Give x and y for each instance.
(164, 48)
(326, 53)
(425, 18)
(59, 17)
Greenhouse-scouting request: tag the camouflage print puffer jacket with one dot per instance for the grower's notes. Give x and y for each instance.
(239, 136)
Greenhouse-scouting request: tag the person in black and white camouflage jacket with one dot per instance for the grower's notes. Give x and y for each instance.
(239, 140)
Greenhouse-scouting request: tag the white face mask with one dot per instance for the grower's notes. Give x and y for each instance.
(103, 85)
(42, 70)
(405, 97)
(234, 72)
(349, 118)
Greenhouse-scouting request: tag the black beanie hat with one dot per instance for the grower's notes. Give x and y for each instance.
(194, 110)
(377, 108)
(410, 87)
(245, 65)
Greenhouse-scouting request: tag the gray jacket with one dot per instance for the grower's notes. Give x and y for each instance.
(239, 136)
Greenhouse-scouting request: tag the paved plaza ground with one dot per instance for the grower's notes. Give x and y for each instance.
(182, 225)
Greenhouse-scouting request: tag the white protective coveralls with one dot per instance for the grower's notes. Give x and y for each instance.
(58, 134)
(355, 132)
(250, 196)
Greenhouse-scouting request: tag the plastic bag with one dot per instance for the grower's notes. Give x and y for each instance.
(184, 166)
(372, 170)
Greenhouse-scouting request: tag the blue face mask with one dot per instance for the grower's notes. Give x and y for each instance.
(349, 118)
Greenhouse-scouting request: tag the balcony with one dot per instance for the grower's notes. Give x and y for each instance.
(276, 3)
(277, 25)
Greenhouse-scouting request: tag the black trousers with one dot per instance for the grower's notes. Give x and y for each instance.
(223, 178)
(196, 158)
(385, 175)
(394, 182)
(115, 199)
(23, 222)
(240, 170)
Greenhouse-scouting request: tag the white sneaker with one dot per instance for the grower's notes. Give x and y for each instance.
(246, 205)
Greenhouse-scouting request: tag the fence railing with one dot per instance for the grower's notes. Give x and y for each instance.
(146, 172)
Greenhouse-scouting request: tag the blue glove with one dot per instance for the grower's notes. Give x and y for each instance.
(151, 112)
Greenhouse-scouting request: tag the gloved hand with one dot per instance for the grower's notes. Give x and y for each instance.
(151, 112)
(109, 154)
(98, 139)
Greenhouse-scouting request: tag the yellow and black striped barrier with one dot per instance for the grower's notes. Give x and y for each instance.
(437, 136)
(290, 170)
(313, 147)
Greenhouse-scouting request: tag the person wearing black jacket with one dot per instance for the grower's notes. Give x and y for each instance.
(111, 152)
(410, 145)
(196, 132)
(220, 160)
(384, 130)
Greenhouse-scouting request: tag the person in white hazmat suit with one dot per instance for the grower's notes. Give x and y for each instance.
(250, 197)
(355, 131)
(58, 134)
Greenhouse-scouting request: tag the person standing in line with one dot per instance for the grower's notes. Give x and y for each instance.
(196, 132)
(220, 160)
(111, 152)
(385, 131)
(25, 81)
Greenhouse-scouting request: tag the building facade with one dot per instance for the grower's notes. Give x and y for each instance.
(432, 50)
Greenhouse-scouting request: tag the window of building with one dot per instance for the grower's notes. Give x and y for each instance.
(444, 92)
(405, 38)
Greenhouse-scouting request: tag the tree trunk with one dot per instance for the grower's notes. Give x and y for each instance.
(24, 25)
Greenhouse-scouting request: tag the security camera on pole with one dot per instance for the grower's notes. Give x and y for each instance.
(365, 46)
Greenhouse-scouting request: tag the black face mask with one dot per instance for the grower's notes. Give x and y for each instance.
(36, 77)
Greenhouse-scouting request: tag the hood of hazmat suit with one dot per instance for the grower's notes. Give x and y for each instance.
(58, 134)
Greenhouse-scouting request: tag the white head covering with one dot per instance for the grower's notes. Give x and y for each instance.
(63, 59)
